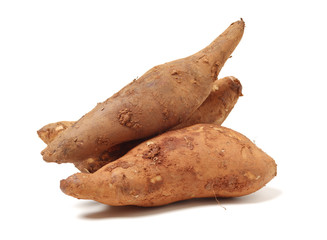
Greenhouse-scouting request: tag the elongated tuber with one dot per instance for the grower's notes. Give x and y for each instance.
(203, 160)
(162, 98)
(215, 109)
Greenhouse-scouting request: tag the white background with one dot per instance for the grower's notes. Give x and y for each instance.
(59, 58)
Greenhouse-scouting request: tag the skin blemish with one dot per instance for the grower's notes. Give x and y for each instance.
(156, 179)
(251, 176)
(125, 118)
(215, 88)
(59, 128)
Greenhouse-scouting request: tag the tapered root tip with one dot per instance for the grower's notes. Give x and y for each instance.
(274, 169)
(47, 155)
(71, 184)
(44, 135)
(57, 151)
(64, 186)
(240, 22)
(77, 185)
(236, 85)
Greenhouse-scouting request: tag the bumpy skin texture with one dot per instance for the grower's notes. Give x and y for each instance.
(141, 109)
(215, 109)
(203, 160)
(50, 131)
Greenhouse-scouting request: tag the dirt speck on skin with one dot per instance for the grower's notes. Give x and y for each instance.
(165, 113)
(170, 143)
(125, 118)
(102, 141)
(214, 71)
(154, 183)
(205, 60)
(78, 142)
(122, 164)
(229, 183)
(189, 142)
(152, 153)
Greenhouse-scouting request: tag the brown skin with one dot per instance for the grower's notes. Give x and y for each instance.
(199, 161)
(162, 98)
(214, 109)
(50, 131)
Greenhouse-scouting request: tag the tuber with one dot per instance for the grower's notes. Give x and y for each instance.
(162, 98)
(203, 160)
(224, 95)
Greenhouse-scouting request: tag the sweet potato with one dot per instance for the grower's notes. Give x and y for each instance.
(214, 109)
(203, 160)
(162, 98)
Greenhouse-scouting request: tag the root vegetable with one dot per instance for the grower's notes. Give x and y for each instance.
(199, 161)
(215, 109)
(162, 98)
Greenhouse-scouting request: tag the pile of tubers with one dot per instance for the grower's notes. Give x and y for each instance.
(159, 139)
